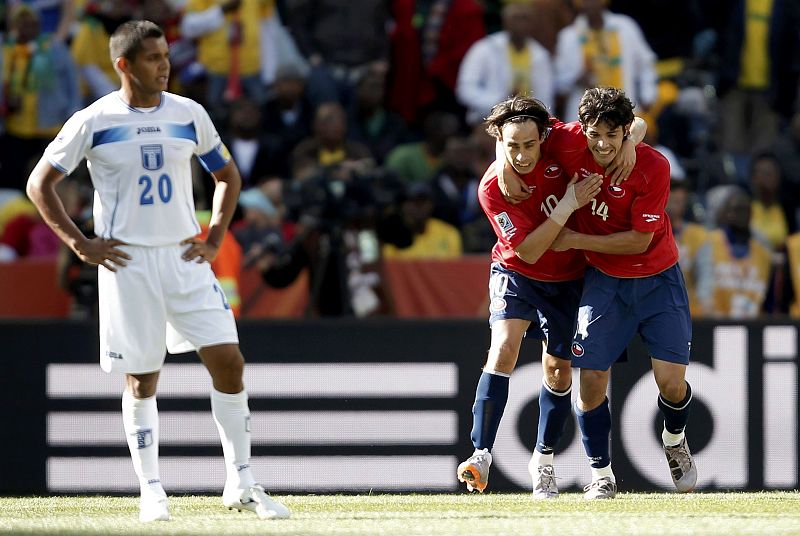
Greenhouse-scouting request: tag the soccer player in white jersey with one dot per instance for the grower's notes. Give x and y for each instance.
(156, 287)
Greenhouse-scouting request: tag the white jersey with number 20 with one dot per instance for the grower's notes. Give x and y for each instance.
(140, 165)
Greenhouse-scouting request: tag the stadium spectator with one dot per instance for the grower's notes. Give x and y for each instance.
(455, 184)
(601, 48)
(429, 40)
(249, 148)
(341, 40)
(288, 117)
(530, 284)
(734, 267)
(156, 288)
(757, 75)
(41, 91)
(259, 232)
(633, 284)
(228, 34)
(55, 16)
(769, 218)
(508, 62)
(89, 47)
(370, 122)
(689, 237)
(433, 238)
(418, 161)
(329, 145)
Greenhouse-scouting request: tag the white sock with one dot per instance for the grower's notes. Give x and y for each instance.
(602, 472)
(140, 420)
(671, 440)
(538, 459)
(232, 417)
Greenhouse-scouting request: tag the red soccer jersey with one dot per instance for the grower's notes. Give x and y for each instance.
(512, 223)
(638, 203)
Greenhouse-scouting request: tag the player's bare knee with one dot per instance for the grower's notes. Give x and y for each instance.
(557, 372)
(141, 385)
(501, 359)
(672, 388)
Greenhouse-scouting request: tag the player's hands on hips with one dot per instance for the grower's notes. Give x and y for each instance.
(511, 185)
(199, 250)
(102, 251)
(587, 189)
(622, 165)
(563, 240)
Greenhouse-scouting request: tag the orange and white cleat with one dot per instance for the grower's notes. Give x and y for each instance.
(475, 470)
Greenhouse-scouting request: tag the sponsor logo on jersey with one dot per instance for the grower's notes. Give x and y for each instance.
(497, 305)
(650, 218)
(552, 171)
(113, 355)
(616, 191)
(148, 130)
(577, 349)
(507, 227)
(152, 157)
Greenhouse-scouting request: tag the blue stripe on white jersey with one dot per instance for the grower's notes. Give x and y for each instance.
(140, 164)
(115, 134)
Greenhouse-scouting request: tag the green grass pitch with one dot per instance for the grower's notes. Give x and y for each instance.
(658, 514)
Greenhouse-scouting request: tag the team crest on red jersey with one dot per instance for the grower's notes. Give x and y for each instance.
(552, 171)
(616, 191)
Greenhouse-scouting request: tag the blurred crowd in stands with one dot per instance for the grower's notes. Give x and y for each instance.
(357, 126)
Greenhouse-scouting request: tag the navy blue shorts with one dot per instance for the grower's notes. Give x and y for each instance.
(549, 306)
(613, 309)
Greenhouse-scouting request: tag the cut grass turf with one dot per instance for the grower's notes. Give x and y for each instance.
(657, 514)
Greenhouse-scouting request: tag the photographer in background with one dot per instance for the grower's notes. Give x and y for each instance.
(344, 213)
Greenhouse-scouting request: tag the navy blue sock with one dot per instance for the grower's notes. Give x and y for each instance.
(595, 427)
(554, 410)
(676, 414)
(490, 401)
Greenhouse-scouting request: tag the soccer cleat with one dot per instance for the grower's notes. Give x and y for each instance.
(544, 482)
(681, 466)
(255, 499)
(153, 508)
(602, 488)
(475, 471)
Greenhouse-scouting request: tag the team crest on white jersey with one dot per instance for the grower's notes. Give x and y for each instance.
(152, 157)
(585, 320)
(616, 191)
(507, 227)
(552, 171)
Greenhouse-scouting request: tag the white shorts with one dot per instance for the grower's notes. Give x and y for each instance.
(159, 301)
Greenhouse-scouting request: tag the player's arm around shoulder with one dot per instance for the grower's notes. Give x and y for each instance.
(541, 238)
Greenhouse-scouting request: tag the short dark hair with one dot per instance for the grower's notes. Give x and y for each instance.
(126, 41)
(608, 105)
(516, 110)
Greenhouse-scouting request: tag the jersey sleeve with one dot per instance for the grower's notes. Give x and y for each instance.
(648, 208)
(211, 152)
(69, 147)
(510, 223)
